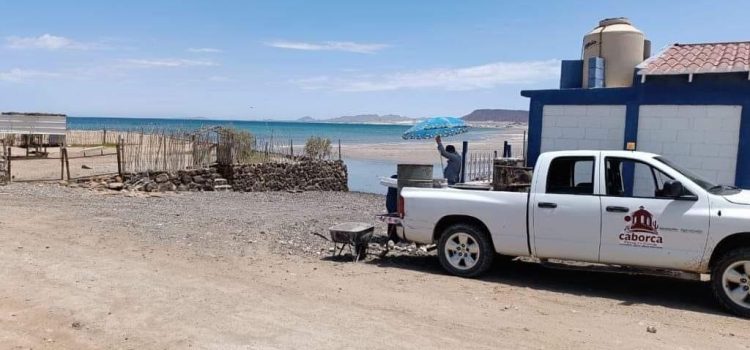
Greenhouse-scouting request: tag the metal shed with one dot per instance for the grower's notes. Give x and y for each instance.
(34, 129)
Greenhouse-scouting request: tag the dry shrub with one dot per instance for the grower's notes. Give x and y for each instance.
(318, 147)
(236, 146)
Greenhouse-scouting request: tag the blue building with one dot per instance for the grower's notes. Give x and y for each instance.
(689, 103)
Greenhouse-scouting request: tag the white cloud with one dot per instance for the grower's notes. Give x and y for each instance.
(169, 63)
(467, 78)
(47, 42)
(204, 50)
(18, 75)
(346, 46)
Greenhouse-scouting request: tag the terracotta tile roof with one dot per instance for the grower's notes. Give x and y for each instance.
(699, 58)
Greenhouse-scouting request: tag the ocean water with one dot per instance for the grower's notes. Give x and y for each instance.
(364, 175)
(296, 131)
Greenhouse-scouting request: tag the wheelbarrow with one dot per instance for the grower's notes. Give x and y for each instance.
(354, 235)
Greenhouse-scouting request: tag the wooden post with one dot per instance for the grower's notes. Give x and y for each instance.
(291, 148)
(62, 164)
(10, 174)
(67, 163)
(122, 154)
(339, 149)
(165, 151)
(119, 159)
(104, 137)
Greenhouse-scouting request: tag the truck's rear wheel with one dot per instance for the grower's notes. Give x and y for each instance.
(465, 250)
(730, 281)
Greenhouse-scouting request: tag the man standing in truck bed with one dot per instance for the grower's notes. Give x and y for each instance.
(452, 171)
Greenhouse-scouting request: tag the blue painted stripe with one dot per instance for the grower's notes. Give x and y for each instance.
(536, 110)
(631, 123)
(742, 175)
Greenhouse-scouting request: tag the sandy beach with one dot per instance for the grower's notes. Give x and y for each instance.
(222, 270)
(425, 151)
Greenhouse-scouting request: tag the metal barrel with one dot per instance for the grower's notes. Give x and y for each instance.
(414, 175)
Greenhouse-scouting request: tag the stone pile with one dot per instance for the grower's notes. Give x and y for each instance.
(183, 180)
(300, 176)
(304, 175)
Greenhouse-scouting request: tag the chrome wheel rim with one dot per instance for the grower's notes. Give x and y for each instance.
(736, 282)
(462, 251)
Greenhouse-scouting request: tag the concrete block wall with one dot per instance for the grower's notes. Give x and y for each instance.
(701, 138)
(566, 127)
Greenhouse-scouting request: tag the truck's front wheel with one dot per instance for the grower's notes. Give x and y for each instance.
(465, 250)
(730, 280)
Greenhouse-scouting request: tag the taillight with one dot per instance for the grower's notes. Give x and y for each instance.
(400, 206)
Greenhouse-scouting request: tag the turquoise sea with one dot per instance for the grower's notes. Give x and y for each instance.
(296, 131)
(363, 174)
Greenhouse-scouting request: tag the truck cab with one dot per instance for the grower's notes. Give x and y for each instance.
(618, 208)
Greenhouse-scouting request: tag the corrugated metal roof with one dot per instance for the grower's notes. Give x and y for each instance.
(33, 123)
(699, 58)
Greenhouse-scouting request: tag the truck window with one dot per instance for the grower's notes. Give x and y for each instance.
(571, 175)
(631, 178)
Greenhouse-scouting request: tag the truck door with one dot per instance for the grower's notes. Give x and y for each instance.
(566, 211)
(642, 227)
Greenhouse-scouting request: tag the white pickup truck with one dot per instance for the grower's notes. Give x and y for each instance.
(628, 210)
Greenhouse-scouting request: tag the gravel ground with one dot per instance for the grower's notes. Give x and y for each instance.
(217, 223)
(83, 269)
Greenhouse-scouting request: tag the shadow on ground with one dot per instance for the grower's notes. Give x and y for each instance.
(629, 289)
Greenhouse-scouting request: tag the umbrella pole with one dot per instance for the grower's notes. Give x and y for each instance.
(442, 167)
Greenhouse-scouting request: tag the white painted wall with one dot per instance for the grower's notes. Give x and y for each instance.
(582, 127)
(33, 124)
(701, 138)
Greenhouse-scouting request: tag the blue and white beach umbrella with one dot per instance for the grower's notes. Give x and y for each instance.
(437, 126)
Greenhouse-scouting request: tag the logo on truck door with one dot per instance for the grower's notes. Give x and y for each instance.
(641, 230)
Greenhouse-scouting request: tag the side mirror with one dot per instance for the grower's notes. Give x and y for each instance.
(673, 189)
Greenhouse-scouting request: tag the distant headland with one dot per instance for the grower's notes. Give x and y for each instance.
(477, 116)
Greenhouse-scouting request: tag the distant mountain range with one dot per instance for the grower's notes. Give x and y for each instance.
(363, 118)
(479, 115)
(497, 115)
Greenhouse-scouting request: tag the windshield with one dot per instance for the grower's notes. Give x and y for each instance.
(697, 179)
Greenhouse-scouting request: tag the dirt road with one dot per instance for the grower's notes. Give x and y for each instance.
(77, 276)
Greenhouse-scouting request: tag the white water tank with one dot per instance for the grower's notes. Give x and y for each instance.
(622, 47)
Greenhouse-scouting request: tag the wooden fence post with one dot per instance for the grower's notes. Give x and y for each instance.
(62, 164)
(67, 163)
(291, 148)
(165, 151)
(123, 159)
(119, 158)
(339, 149)
(10, 174)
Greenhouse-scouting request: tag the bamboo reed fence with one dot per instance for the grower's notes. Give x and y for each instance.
(92, 137)
(173, 150)
(142, 151)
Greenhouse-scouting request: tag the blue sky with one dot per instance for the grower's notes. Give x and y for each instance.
(288, 59)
